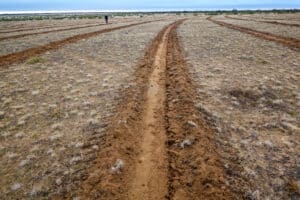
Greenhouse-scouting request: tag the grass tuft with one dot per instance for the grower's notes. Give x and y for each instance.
(35, 60)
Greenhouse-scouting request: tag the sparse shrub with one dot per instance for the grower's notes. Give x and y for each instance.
(245, 97)
(35, 60)
(56, 113)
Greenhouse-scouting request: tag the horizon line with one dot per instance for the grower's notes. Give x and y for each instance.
(132, 10)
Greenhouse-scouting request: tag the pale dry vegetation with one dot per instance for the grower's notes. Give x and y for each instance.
(249, 90)
(55, 108)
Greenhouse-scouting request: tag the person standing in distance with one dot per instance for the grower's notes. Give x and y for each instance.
(106, 19)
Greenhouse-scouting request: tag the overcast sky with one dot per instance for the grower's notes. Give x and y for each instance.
(143, 4)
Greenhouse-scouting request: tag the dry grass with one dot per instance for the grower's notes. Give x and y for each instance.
(249, 91)
(36, 60)
(55, 110)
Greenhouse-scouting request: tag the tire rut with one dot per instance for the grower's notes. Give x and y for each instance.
(33, 28)
(286, 41)
(50, 31)
(25, 54)
(145, 135)
(268, 22)
(195, 169)
(150, 179)
(129, 137)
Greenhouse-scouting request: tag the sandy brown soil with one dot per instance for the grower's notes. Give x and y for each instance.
(57, 111)
(249, 91)
(169, 109)
(132, 125)
(195, 170)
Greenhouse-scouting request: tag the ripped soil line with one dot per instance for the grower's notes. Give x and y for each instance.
(195, 170)
(42, 27)
(290, 42)
(146, 137)
(23, 55)
(124, 137)
(268, 22)
(51, 31)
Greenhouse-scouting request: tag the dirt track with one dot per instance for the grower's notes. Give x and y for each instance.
(269, 22)
(167, 150)
(290, 42)
(51, 31)
(25, 54)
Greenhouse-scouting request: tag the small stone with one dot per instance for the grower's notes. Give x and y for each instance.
(52, 106)
(21, 123)
(245, 142)
(35, 92)
(79, 145)
(255, 195)
(117, 167)
(93, 122)
(235, 103)
(192, 124)
(23, 163)
(186, 143)
(73, 112)
(15, 186)
(93, 113)
(57, 126)
(17, 107)
(268, 143)
(58, 181)
(20, 135)
(95, 147)
(80, 114)
(75, 159)
(31, 104)
(55, 137)
(50, 151)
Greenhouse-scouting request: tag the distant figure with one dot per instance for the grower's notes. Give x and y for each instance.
(106, 19)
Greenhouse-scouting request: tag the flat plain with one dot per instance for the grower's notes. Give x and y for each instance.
(151, 107)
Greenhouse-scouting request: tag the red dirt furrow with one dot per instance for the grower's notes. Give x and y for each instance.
(290, 42)
(123, 139)
(23, 55)
(50, 31)
(195, 168)
(147, 131)
(269, 22)
(33, 28)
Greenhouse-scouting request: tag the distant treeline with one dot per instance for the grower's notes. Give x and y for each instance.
(60, 16)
